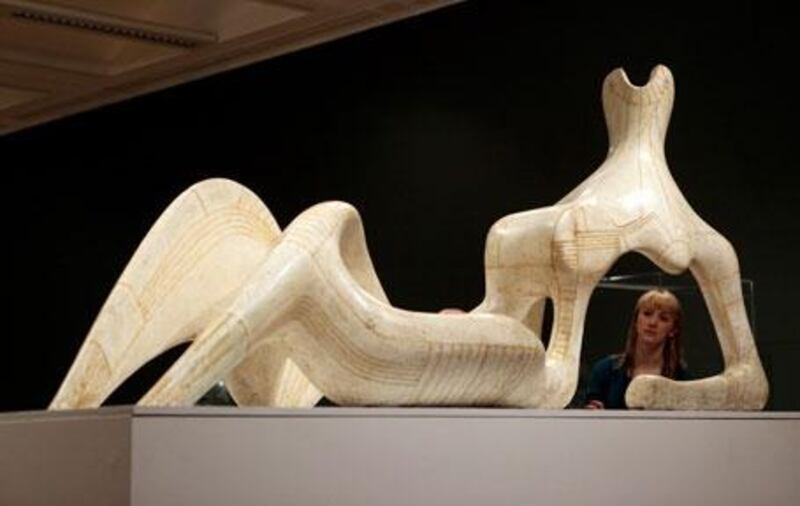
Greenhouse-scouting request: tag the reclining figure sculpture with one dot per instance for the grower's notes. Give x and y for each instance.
(287, 316)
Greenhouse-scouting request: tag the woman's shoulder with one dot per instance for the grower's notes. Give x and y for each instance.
(607, 364)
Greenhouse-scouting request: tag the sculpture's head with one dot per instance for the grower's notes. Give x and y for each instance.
(638, 112)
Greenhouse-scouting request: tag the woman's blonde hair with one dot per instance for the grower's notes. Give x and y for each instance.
(663, 300)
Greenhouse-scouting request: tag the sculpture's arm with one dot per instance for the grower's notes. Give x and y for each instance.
(549, 253)
(742, 384)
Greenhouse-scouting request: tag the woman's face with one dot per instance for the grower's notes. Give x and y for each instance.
(654, 325)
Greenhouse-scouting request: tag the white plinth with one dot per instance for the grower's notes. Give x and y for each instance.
(350, 457)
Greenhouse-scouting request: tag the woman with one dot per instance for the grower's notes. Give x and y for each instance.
(653, 347)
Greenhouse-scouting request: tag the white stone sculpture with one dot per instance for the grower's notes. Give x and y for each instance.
(286, 316)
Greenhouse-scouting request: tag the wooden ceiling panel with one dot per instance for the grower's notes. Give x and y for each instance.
(58, 58)
(78, 51)
(14, 96)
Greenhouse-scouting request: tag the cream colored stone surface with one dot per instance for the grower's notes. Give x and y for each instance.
(270, 312)
(191, 265)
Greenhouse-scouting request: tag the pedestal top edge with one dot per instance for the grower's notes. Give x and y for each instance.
(387, 412)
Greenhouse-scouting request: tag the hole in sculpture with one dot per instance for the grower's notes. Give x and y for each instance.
(611, 308)
(134, 388)
(547, 321)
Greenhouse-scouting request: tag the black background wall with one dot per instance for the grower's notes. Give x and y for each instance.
(433, 128)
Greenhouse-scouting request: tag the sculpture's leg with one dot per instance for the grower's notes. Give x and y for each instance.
(269, 377)
(288, 304)
(187, 269)
(317, 295)
(225, 343)
(743, 384)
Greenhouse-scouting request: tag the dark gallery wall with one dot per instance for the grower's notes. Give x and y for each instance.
(433, 128)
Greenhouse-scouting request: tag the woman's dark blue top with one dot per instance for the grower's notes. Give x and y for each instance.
(609, 381)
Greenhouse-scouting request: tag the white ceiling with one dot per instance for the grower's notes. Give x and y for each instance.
(61, 57)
